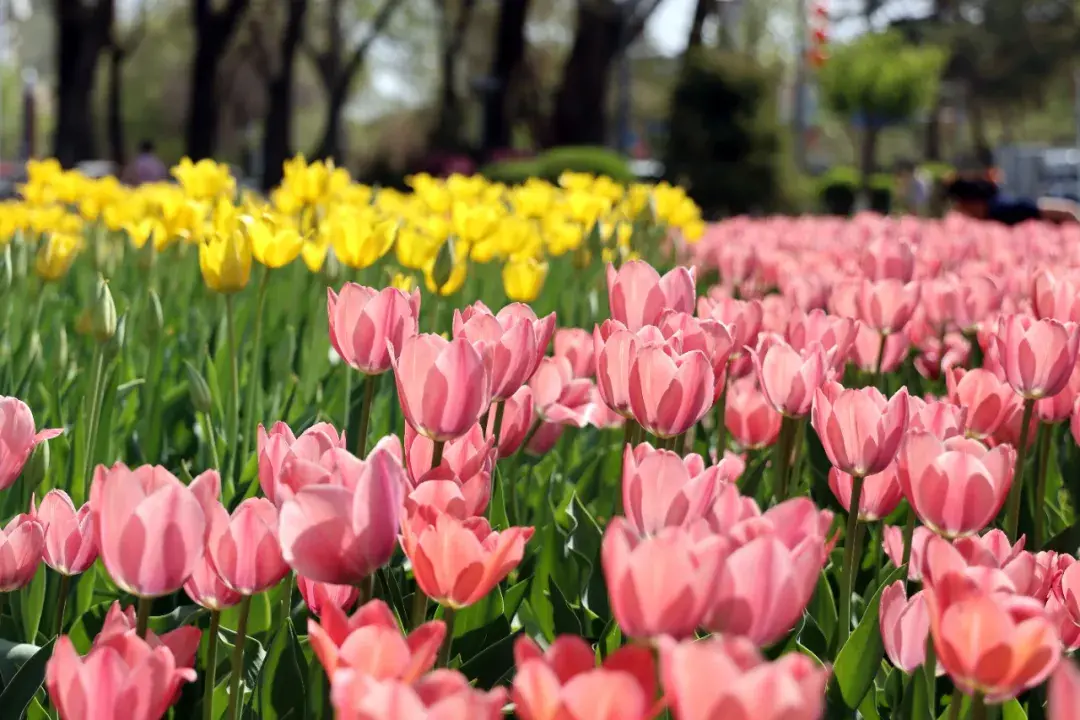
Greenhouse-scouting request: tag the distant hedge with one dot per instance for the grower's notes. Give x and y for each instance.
(837, 188)
(550, 164)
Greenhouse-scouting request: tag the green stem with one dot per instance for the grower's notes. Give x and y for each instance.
(234, 383)
(798, 440)
(365, 415)
(978, 706)
(500, 408)
(879, 376)
(211, 440)
(444, 651)
(721, 422)
(954, 705)
(909, 533)
(95, 413)
(254, 381)
(529, 436)
(437, 453)
(237, 667)
(1042, 442)
(851, 555)
(1012, 516)
(782, 457)
(65, 586)
(367, 590)
(142, 618)
(348, 400)
(287, 597)
(210, 679)
(419, 608)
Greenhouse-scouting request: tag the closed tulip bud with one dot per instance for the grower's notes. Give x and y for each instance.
(18, 440)
(225, 261)
(1038, 356)
(104, 312)
(366, 323)
(62, 348)
(198, 390)
(22, 543)
(638, 295)
(661, 489)
(859, 429)
(244, 547)
(319, 596)
(37, 468)
(523, 278)
(445, 262)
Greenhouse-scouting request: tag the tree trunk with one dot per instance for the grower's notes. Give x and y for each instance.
(447, 134)
(213, 31)
(277, 135)
(114, 115)
(509, 53)
(581, 116)
(697, 26)
(82, 34)
(932, 139)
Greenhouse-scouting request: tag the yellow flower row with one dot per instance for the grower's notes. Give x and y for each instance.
(318, 213)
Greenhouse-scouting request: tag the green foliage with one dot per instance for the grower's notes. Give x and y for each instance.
(837, 189)
(724, 143)
(553, 163)
(881, 77)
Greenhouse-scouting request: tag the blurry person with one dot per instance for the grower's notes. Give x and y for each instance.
(146, 167)
(912, 188)
(981, 198)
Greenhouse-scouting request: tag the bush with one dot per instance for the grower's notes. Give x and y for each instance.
(553, 163)
(724, 141)
(838, 189)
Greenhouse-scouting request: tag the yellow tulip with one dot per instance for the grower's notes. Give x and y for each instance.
(402, 282)
(274, 244)
(55, 255)
(523, 278)
(225, 261)
(360, 239)
(415, 250)
(473, 223)
(205, 180)
(315, 250)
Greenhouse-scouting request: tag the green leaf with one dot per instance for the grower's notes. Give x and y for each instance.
(1013, 710)
(318, 692)
(12, 657)
(566, 620)
(254, 655)
(480, 613)
(36, 712)
(965, 706)
(86, 628)
(260, 615)
(916, 703)
(20, 691)
(494, 664)
(281, 689)
(180, 616)
(513, 597)
(31, 604)
(858, 661)
(822, 608)
(499, 518)
(868, 707)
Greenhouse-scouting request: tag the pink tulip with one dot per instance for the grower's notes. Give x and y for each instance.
(729, 509)
(565, 684)
(616, 348)
(22, 543)
(887, 305)
(124, 679)
(886, 259)
(517, 418)
(1067, 590)
(742, 317)
(866, 352)
(988, 641)
(363, 320)
(660, 585)
(439, 695)
(371, 642)
(576, 345)
(770, 575)
(183, 642)
(319, 596)
(17, 439)
(789, 379)
(1055, 298)
(342, 531)
(1037, 355)
(881, 492)
(638, 296)
(749, 417)
(512, 348)
(466, 462)
(836, 335)
(1058, 408)
(708, 336)
(70, 535)
(151, 528)
(669, 394)
(559, 397)
(444, 386)
(956, 486)
(661, 489)
(279, 447)
(893, 541)
(905, 626)
(520, 313)
(206, 588)
(988, 400)
(1064, 696)
(457, 562)
(859, 429)
(940, 417)
(727, 678)
(244, 547)
(1068, 631)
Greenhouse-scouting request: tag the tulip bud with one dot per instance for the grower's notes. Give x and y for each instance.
(444, 264)
(198, 389)
(157, 317)
(103, 317)
(331, 268)
(116, 344)
(36, 355)
(37, 468)
(62, 348)
(6, 268)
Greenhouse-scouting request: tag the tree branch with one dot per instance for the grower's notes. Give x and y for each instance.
(639, 15)
(378, 24)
